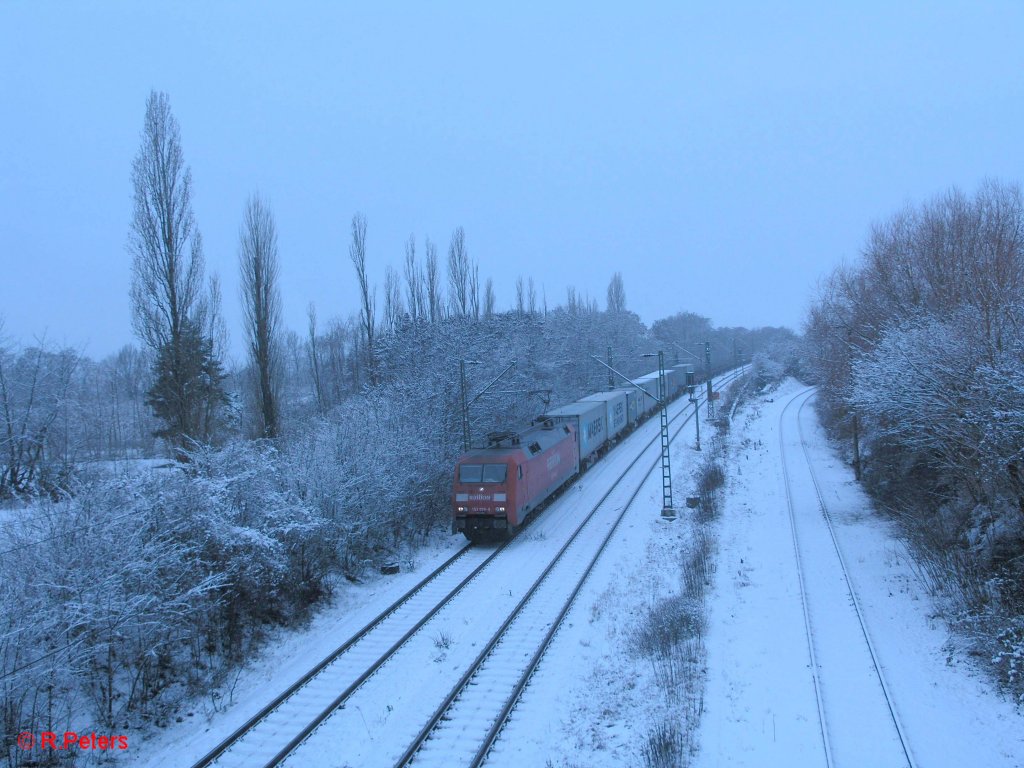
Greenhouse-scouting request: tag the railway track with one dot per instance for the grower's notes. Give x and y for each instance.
(858, 720)
(465, 727)
(276, 731)
(286, 720)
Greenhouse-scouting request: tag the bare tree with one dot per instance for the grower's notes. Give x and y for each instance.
(458, 273)
(314, 359)
(34, 386)
(393, 308)
(520, 296)
(167, 257)
(474, 291)
(616, 294)
(261, 308)
(213, 316)
(489, 300)
(433, 284)
(572, 301)
(414, 282)
(167, 279)
(368, 296)
(531, 297)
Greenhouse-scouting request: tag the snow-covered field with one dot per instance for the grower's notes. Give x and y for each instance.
(593, 702)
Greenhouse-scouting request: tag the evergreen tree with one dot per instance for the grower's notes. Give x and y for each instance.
(188, 389)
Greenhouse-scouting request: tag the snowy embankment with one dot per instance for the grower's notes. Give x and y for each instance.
(760, 705)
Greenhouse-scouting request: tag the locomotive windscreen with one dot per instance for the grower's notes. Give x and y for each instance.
(483, 473)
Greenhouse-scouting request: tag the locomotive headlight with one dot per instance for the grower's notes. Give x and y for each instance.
(499, 509)
(461, 509)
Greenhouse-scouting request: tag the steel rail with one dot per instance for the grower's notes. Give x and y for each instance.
(852, 592)
(808, 629)
(240, 732)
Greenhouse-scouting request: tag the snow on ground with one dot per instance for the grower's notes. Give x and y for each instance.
(760, 707)
(591, 702)
(284, 660)
(951, 713)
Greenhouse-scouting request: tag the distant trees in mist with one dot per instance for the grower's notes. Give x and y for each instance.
(616, 294)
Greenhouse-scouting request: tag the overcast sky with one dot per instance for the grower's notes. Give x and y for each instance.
(723, 157)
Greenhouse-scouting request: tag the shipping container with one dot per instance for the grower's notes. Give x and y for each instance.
(633, 397)
(590, 422)
(649, 401)
(616, 415)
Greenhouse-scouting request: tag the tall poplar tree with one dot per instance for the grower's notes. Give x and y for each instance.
(168, 308)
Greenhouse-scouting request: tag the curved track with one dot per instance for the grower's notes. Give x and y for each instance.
(858, 720)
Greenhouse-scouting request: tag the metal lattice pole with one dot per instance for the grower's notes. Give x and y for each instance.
(666, 461)
(707, 371)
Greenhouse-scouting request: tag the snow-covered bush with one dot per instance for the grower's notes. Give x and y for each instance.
(956, 414)
(919, 357)
(766, 372)
(274, 549)
(671, 622)
(110, 594)
(137, 590)
(371, 476)
(710, 479)
(1009, 656)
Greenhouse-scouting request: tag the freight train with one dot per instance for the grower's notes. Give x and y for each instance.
(497, 486)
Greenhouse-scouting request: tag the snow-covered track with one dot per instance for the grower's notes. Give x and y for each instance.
(815, 677)
(858, 719)
(269, 735)
(465, 727)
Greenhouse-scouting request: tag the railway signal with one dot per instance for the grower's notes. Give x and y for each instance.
(707, 373)
(667, 510)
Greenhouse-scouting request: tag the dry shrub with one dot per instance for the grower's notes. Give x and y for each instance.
(665, 746)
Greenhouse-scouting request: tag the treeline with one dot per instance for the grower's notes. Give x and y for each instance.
(919, 354)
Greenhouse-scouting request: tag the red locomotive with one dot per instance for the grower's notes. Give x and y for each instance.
(498, 486)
